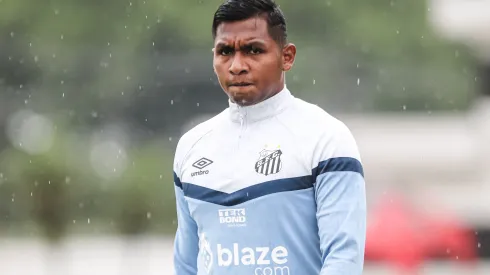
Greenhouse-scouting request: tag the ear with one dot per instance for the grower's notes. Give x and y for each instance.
(288, 56)
(214, 68)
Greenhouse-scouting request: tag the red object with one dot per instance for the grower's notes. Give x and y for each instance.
(405, 238)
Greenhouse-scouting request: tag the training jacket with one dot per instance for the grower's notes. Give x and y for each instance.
(276, 188)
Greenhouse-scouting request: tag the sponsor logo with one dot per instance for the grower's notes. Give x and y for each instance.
(233, 217)
(201, 164)
(266, 260)
(269, 162)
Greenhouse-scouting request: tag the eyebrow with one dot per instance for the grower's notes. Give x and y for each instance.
(255, 42)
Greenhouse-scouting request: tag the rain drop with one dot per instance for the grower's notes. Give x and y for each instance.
(12, 34)
(404, 107)
(197, 104)
(88, 221)
(479, 245)
(62, 37)
(172, 102)
(170, 139)
(36, 58)
(314, 81)
(358, 81)
(148, 215)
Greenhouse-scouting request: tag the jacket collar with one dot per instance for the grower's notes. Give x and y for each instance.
(262, 110)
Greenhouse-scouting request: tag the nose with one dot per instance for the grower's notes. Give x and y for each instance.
(238, 65)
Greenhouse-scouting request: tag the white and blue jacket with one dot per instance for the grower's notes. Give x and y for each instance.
(276, 188)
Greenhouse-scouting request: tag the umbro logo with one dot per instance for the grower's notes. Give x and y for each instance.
(201, 164)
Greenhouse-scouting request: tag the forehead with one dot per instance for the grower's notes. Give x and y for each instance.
(252, 28)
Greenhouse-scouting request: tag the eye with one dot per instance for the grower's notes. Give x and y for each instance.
(225, 51)
(254, 50)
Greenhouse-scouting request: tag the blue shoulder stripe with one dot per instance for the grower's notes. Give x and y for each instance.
(340, 164)
(177, 181)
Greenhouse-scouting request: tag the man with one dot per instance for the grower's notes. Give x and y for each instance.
(271, 185)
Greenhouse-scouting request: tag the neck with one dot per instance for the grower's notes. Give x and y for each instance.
(269, 107)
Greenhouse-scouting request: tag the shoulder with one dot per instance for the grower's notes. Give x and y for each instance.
(317, 122)
(192, 137)
(327, 137)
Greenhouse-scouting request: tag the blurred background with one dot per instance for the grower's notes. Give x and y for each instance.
(94, 96)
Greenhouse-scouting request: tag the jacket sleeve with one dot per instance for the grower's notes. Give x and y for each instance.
(186, 243)
(341, 205)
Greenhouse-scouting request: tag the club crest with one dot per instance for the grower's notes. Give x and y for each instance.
(269, 162)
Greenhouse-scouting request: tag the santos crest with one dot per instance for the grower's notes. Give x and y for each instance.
(269, 162)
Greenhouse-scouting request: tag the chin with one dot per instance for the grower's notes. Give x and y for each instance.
(243, 100)
(241, 97)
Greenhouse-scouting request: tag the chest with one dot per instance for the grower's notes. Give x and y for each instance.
(236, 158)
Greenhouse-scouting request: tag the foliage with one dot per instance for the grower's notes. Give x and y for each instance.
(146, 64)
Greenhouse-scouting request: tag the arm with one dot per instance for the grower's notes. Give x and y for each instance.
(186, 245)
(341, 207)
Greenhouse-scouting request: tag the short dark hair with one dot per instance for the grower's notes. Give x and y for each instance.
(237, 10)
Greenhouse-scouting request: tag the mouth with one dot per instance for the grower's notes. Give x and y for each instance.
(240, 84)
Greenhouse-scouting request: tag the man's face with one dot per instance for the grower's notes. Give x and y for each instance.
(249, 64)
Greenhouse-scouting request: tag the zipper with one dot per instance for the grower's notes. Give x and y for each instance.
(242, 115)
